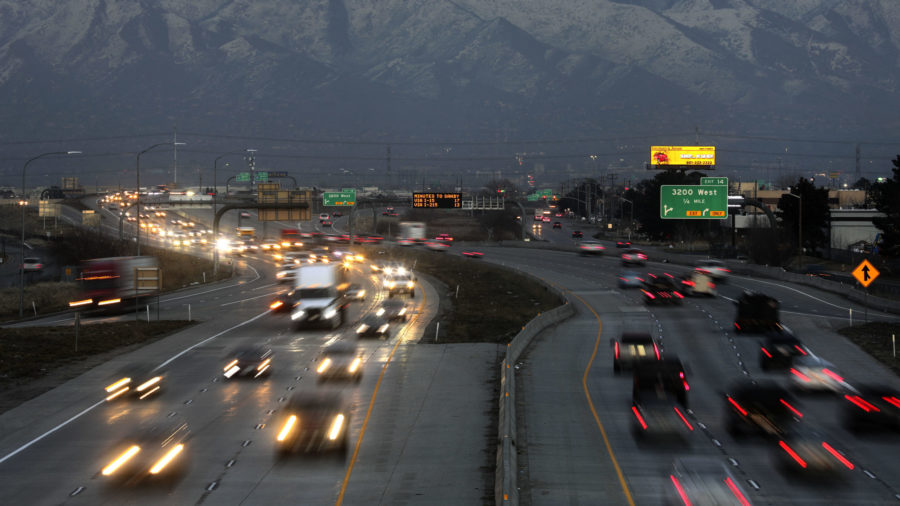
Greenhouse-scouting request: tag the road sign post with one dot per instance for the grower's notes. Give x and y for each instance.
(693, 202)
(865, 273)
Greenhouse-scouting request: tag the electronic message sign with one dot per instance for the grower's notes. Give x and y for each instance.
(437, 200)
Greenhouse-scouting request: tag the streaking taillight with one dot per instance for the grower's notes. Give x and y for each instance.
(677, 294)
(792, 453)
(893, 400)
(800, 349)
(738, 406)
(736, 491)
(656, 350)
(680, 489)
(800, 375)
(640, 419)
(684, 381)
(862, 403)
(831, 374)
(764, 350)
(683, 419)
(648, 294)
(837, 455)
(617, 350)
(792, 408)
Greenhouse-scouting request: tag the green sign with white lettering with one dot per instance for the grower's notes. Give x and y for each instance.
(242, 177)
(262, 177)
(714, 181)
(697, 202)
(343, 198)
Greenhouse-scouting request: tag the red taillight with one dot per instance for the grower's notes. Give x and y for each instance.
(837, 455)
(617, 350)
(793, 454)
(648, 294)
(862, 403)
(680, 489)
(684, 381)
(800, 375)
(712, 285)
(677, 294)
(683, 419)
(667, 274)
(893, 400)
(766, 352)
(642, 257)
(736, 491)
(800, 349)
(640, 419)
(656, 350)
(687, 282)
(738, 406)
(831, 374)
(737, 326)
(792, 408)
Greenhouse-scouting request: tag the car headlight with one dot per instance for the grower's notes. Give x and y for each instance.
(362, 328)
(382, 329)
(409, 284)
(324, 366)
(329, 313)
(288, 425)
(355, 364)
(402, 311)
(335, 430)
(281, 274)
(380, 311)
(296, 315)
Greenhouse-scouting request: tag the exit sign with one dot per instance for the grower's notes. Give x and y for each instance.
(693, 202)
(714, 181)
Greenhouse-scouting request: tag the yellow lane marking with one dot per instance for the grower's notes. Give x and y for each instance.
(362, 430)
(587, 394)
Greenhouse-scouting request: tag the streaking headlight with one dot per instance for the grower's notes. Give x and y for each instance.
(355, 364)
(382, 329)
(281, 274)
(402, 312)
(335, 430)
(329, 313)
(362, 328)
(296, 315)
(409, 284)
(380, 311)
(167, 458)
(118, 384)
(120, 460)
(286, 430)
(149, 383)
(275, 305)
(361, 294)
(324, 366)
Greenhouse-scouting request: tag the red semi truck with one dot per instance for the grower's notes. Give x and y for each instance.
(112, 281)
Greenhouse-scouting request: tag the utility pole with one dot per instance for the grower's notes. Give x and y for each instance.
(857, 161)
(387, 183)
(174, 157)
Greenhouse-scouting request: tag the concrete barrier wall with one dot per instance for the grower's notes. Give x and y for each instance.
(505, 487)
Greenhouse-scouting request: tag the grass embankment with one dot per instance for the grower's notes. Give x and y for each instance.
(493, 303)
(34, 360)
(875, 339)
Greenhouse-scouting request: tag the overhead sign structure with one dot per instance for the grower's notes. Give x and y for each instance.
(693, 202)
(437, 200)
(342, 198)
(865, 273)
(682, 155)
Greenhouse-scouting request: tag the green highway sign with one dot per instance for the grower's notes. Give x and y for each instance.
(344, 198)
(242, 177)
(534, 197)
(697, 202)
(714, 181)
(262, 177)
(546, 193)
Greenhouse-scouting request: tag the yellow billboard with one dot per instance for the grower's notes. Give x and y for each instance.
(682, 155)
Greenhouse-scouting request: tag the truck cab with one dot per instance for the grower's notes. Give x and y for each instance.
(318, 295)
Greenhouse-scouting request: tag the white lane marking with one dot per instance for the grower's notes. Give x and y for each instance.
(264, 286)
(167, 362)
(51, 431)
(214, 289)
(54, 429)
(251, 298)
(801, 292)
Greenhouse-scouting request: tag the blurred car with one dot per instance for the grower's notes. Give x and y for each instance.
(697, 283)
(659, 399)
(591, 248)
(355, 292)
(812, 373)
(437, 245)
(764, 408)
(623, 244)
(545, 219)
(337, 214)
(631, 279)
(270, 245)
(632, 348)
(283, 302)
(339, 361)
(254, 361)
(245, 214)
(779, 349)
(661, 289)
(704, 480)
(871, 407)
(399, 281)
(557, 224)
(634, 256)
(472, 253)
(714, 268)
(577, 234)
(393, 309)
(444, 237)
(406, 242)
(326, 223)
(141, 381)
(323, 217)
(757, 312)
(151, 453)
(313, 422)
(32, 264)
(287, 274)
(373, 325)
(802, 451)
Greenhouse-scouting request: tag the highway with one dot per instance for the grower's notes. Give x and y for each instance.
(575, 440)
(413, 436)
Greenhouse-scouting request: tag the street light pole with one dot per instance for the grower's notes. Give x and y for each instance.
(24, 204)
(799, 228)
(138, 200)
(216, 207)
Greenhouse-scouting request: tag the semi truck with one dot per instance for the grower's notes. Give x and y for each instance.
(318, 291)
(290, 238)
(112, 282)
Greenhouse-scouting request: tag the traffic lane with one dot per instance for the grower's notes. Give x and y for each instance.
(190, 391)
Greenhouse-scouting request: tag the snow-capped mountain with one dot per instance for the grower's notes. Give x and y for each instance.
(448, 69)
